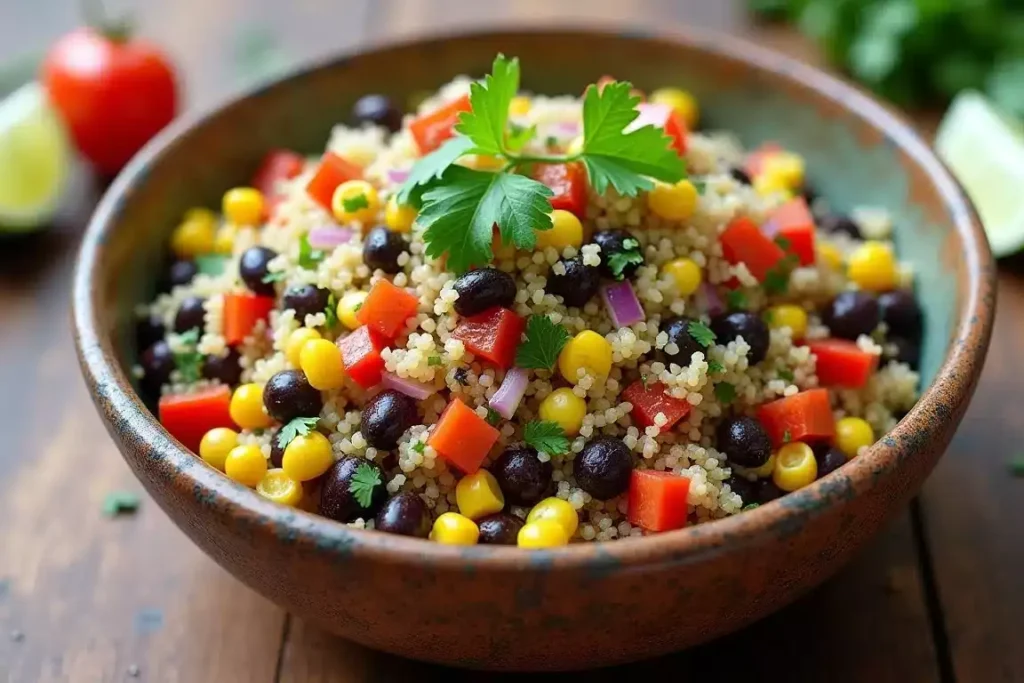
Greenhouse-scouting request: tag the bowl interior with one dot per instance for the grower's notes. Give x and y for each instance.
(849, 161)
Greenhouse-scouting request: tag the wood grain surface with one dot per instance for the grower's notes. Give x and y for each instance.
(938, 596)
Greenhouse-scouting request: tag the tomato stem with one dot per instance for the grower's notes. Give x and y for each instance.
(117, 30)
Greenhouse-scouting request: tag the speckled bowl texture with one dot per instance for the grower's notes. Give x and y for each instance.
(590, 604)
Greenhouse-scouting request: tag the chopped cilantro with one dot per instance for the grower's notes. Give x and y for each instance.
(308, 256)
(701, 333)
(701, 186)
(120, 503)
(751, 506)
(544, 341)
(419, 446)
(365, 479)
(355, 309)
(434, 361)
(715, 367)
(725, 392)
(211, 264)
(493, 416)
(784, 243)
(275, 277)
(620, 260)
(300, 426)
(189, 362)
(776, 280)
(643, 380)
(787, 436)
(551, 141)
(353, 204)
(331, 312)
(736, 300)
(786, 374)
(546, 436)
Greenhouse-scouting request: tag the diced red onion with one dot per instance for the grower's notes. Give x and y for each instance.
(568, 128)
(622, 304)
(398, 175)
(506, 399)
(769, 229)
(712, 301)
(329, 236)
(409, 387)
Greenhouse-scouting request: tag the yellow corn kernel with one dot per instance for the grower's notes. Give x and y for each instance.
(852, 434)
(873, 267)
(685, 273)
(830, 256)
(451, 528)
(519, 106)
(296, 340)
(307, 456)
(556, 510)
(565, 408)
(246, 407)
(479, 495)
(542, 533)
(769, 185)
(243, 206)
(321, 361)
(216, 445)
(681, 101)
(787, 169)
(280, 488)
(195, 235)
(246, 465)
(674, 202)
(788, 315)
(795, 466)
(566, 231)
(399, 217)
(224, 241)
(587, 351)
(349, 306)
(355, 200)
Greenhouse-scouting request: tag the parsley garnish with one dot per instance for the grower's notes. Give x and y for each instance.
(751, 506)
(364, 480)
(776, 280)
(701, 333)
(419, 447)
(353, 204)
(211, 264)
(544, 341)
(551, 141)
(787, 436)
(300, 426)
(119, 503)
(736, 300)
(715, 366)
(275, 277)
(459, 207)
(546, 436)
(493, 416)
(701, 186)
(786, 374)
(630, 255)
(518, 136)
(434, 361)
(784, 243)
(308, 256)
(189, 362)
(331, 312)
(725, 392)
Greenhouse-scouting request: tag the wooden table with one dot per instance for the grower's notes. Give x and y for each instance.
(938, 596)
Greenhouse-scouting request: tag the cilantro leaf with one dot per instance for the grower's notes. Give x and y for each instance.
(419, 446)
(211, 264)
(715, 367)
(120, 502)
(428, 170)
(308, 256)
(518, 136)
(701, 186)
(331, 312)
(620, 260)
(725, 392)
(434, 361)
(493, 416)
(751, 506)
(300, 426)
(643, 380)
(546, 436)
(787, 436)
(544, 341)
(784, 243)
(776, 280)
(365, 479)
(613, 154)
(786, 374)
(189, 362)
(459, 214)
(485, 122)
(353, 204)
(277, 276)
(701, 333)
(736, 300)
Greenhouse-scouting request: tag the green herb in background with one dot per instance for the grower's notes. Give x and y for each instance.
(918, 52)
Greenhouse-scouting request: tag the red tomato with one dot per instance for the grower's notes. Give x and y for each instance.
(794, 223)
(657, 500)
(189, 416)
(648, 401)
(493, 335)
(842, 363)
(114, 95)
(744, 242)
(432, 129)
(568, 182)
(806, 416)
(360, 352)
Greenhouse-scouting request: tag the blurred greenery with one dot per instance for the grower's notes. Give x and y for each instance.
(918, 52)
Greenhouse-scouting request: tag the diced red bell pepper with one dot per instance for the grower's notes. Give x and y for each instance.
(332, 171)
(806, 416)
(842, 363)
(241, 313)
(743, 242)
(387, 307)
(189, 416)
(755, 160)
(657, 500)
(568, 182)
(433, 128)
(665, 117)
(492, 335)
(653, 399)
(360, 353)
(794, 223)
(278, 164)
(462, 437)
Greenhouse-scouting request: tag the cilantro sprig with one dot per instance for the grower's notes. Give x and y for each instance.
(544, 341)
(629, 255)
(300, 426)
(188, 361)
(331, 312)
(309, 257)
(701, 333)
(460, 207)
(364, 480)
(546, 436)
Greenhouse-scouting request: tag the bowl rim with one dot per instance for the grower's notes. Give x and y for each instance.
(115, 398)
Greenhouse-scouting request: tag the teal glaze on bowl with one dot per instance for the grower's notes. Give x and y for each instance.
(585, 605)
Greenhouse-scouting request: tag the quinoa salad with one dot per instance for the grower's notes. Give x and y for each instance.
(509, 318)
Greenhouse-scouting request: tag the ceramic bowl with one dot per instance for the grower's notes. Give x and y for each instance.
(589, 604)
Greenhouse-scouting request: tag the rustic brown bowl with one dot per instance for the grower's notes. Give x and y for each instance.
(585, 605)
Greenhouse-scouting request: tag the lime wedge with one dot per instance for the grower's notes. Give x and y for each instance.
(35, 157)
(985, 150)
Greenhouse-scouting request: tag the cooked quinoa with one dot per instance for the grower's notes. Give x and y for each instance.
(718, 383)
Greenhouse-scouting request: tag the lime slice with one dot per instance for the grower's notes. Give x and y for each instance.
(985, 150)
(35, 156)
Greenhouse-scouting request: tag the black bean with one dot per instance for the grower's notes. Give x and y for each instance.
(767, 491)
(339, 502)
(377, 110)
(149, 331)
(616, 245)
(754, 331)
(577, 285)
(604, 467)
(191, 315)
(406, 515)
(305, 300)
(739, 175)
(851, 314)
(276, 452)
(829, 461)
(482, 289)
(678, 331)
(901, 313)
(840, 224)
(523, 478)
(386, 416)
(252, 268)
(157, 364)
(904, 350)
(500, 528)
(225, 369)
(744, 441)
(746, 488)
(381, 249)
(181, 272)
(289, 395)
